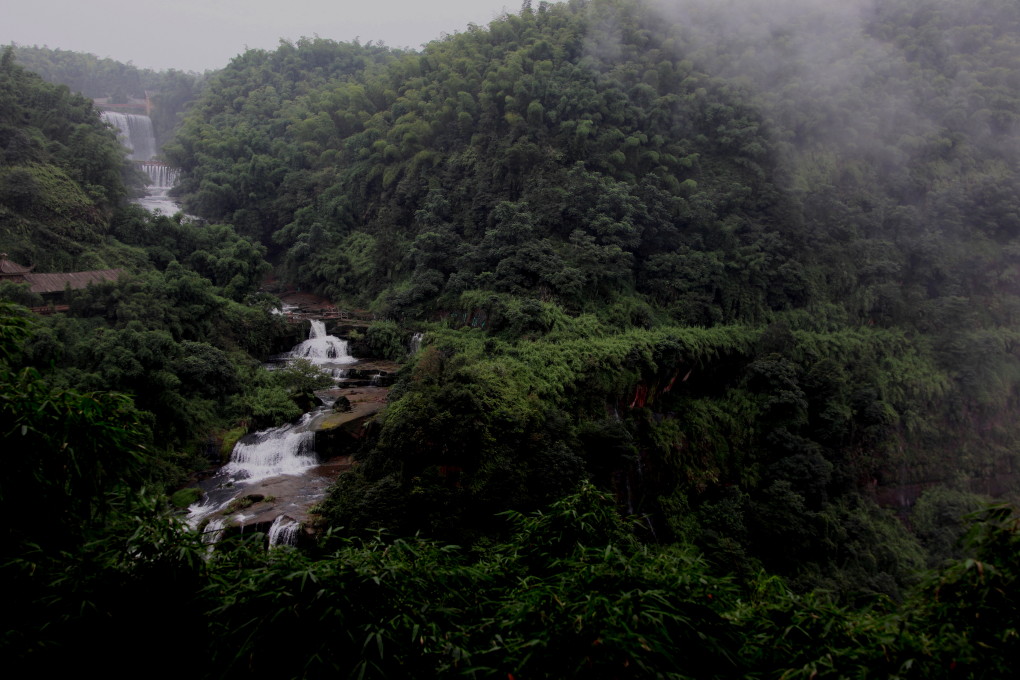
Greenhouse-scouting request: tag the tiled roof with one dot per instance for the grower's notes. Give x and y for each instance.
(54, 283)
(12, 268)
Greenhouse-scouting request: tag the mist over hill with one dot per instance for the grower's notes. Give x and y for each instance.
(806, 208)
(708, 321)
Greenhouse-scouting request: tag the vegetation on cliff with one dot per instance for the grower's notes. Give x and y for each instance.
(737, 276)
(62, 172)
(748, 269)
(166, 94)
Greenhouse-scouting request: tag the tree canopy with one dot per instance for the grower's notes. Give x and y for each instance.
(715, 360)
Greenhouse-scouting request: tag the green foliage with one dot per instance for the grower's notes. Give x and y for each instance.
(525, 193)
(570, 595)
(175, 334)
(752, 444)
(569, 592)
(230, 439)
(750, 271)
(15, 325)
(19, 294)
(386, 340)
(182, 498)
(120, 583)
(91, 546)
(301, 375)
(62, 171)
(265, 405)
(272, 398)
(939, 519)
(65, 448)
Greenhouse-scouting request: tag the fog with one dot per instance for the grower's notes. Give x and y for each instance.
(826, 73)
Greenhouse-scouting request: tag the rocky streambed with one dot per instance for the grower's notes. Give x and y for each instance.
(275, 477)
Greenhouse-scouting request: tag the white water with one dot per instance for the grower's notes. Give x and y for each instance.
(284, 531)
(135, 132)
(162, 179)
(161, 175)
(322, 349)
(415, 345)
(285, 450)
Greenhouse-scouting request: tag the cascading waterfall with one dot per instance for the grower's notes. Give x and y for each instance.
(162, 179)
(161, 175)
(279, 451)
(135, 132)
(284, 531)
(321, 348)
(414, 345)
(286, 450)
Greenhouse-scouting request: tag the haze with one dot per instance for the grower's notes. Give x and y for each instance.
(196, 35)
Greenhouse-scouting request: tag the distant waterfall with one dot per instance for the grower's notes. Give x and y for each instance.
(160, 174)
(162, 179)
(414, 346)
(322, 349)
(135, 132)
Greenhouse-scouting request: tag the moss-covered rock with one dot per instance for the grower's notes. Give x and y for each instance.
(186, 497)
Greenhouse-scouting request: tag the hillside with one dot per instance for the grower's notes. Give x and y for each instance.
(163, 95)
(755, 261)
(61, 172)
(720, 174)
(708, 322)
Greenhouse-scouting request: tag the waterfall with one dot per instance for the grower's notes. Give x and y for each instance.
(286, 450)
(160, 174)
(322, 349)
(415, 344)
(135, 132)
(265, 457)
(284, 531)
(162, 178)
(214, 531)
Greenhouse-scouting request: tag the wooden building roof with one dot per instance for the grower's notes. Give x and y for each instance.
(9, 269)
(52, 283)
(55, 283)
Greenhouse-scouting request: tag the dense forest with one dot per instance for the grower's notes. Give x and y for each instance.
(721, 349)
(121, 86)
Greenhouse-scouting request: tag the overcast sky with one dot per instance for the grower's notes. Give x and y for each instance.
(196, 35)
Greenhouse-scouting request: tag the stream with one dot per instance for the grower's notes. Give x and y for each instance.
(274, 476)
